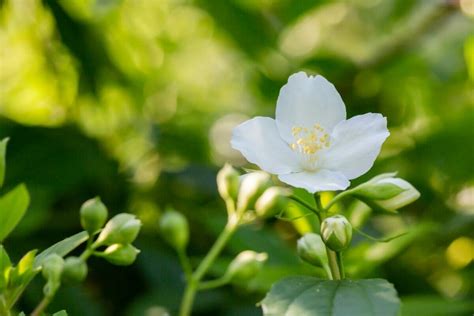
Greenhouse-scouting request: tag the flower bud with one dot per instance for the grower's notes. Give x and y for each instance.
(336, 231)
(272, 201)
(409, 195)
(51, 269)
(251, 187)
(311, 249)
(121, 229)
(228, 182)
(246, 265)
(74, 271)
(378, 189)
(121, 255)
(174, 229)
(93, 215)
(52, 266)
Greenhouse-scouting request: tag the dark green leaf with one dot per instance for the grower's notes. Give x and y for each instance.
(13, 206)
(309, 296)
(60, 313)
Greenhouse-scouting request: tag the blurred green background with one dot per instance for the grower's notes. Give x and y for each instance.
(135, 101)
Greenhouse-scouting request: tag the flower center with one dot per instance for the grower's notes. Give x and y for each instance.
(308, 142)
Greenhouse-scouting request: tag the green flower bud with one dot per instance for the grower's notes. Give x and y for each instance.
(228, 182)
(246, 265)
(409, 195)
(121, 255)
(336, 231)
(121, 229)
(174, 229)
(52, 269)
(251, 187)
(272, 201)
(93, 215)
(387, 192)
(311, 249)
(75, 270)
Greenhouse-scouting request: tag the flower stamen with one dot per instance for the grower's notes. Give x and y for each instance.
(308, 142)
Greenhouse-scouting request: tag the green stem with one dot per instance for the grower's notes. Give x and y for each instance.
(42, 306)
(212, 284)
(333, 264)
(306, 205)
(4, 310)
(340, 264)
(185, 264)
(336, 199)
(192, 286)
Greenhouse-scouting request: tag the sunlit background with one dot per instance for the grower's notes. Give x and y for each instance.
(135, 101)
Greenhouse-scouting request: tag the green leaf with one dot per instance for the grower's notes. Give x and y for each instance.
(13, 206)
(23, 272)
(309, 296)
(63, 247)
(60, 313)
(5, 265)
(3, 151)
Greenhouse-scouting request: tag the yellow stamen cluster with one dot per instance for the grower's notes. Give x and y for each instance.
(309, 140)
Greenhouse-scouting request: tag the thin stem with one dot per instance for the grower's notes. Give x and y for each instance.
(340, 264)
(188, 298)
(4, 310)
(319, 206)
(336, 199)
(192, 287)
(185, 264)
(307, 205)
(212, 284)
(42, 306)
(332, 258)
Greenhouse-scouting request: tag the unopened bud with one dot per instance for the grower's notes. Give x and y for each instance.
(246, 265)
(121, 229)
(121, 255)
(336, 232)
(409, 195)
(251, 187)
(93, 215)
(387, 192)
(174, 229)
(52, 266)
(228, 182)
(74, 271)
(311, 249)
(51, 269)
(272, 201)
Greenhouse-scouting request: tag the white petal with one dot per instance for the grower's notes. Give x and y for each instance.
(260, 143)
(355, 144)
(305, 101)
(322, 180)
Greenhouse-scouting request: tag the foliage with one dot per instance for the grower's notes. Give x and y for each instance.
(134, 101)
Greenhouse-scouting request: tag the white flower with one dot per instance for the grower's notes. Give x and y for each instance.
(310, 144)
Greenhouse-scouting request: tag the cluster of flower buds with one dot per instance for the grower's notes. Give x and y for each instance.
(386, 192)
(175, 229)
(245, 266)
(252, 191)
(117, 234)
